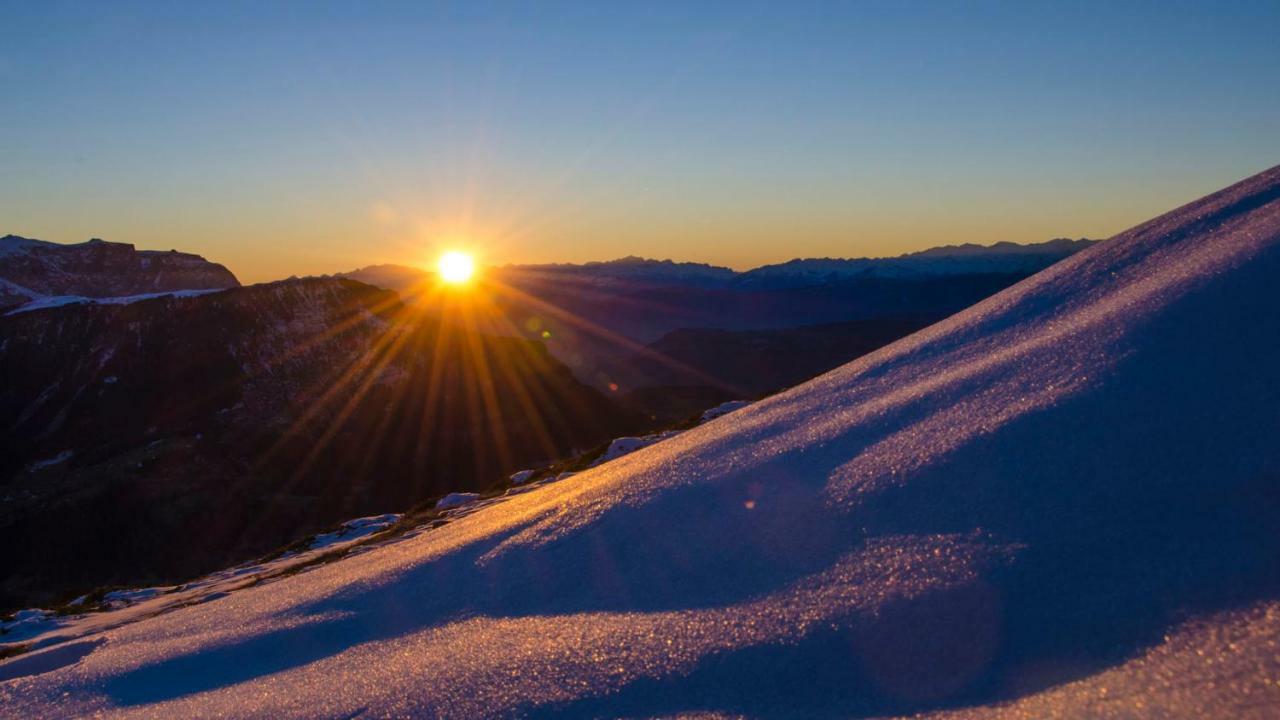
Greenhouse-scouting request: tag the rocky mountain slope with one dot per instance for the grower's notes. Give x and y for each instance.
(31, 269)
(1063, 501)
(164, 438)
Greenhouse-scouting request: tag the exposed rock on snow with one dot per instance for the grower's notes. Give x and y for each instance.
(353, 530)
(627, 445)
(455, 499)
(724, 409)
(522, 477)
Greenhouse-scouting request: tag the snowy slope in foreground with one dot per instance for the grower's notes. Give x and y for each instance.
(1017, 504)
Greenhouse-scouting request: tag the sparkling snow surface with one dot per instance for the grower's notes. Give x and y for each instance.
(843, 548)
(1220, 667)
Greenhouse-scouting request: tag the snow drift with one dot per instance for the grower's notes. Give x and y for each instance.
(1016, 504)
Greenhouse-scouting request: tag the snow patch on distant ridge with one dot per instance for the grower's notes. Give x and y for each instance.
(61, 300)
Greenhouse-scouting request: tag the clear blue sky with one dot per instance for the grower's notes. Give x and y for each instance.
(300, 138)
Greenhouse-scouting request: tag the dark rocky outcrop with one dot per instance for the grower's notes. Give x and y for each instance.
(156, 440)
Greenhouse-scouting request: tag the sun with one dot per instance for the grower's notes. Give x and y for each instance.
(456, 267)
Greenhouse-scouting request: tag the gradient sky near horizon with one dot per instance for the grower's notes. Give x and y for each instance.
(300, 138)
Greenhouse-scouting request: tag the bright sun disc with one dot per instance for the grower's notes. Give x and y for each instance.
(456, 267)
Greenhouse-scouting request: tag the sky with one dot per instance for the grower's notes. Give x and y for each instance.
(301, 138)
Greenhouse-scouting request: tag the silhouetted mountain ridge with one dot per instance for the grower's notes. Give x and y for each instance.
(967, 258)
(171, 436)
(597, 317)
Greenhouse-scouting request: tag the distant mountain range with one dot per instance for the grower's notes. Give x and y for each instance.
(630, 269)
(640, 273)
(967, 259)
(609, 321)
(36, 270)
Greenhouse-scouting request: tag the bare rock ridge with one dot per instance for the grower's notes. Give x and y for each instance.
(98, 269)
